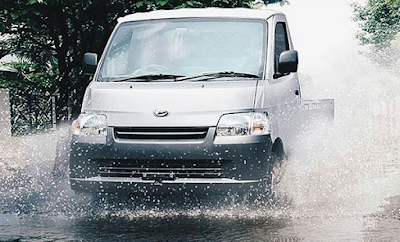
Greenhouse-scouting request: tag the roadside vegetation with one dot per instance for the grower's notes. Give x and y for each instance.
(379, 22)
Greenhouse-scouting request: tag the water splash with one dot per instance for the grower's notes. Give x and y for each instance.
(351, 169)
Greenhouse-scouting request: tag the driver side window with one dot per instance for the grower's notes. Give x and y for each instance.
(281, 42)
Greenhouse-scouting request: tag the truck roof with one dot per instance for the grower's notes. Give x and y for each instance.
(201, 13)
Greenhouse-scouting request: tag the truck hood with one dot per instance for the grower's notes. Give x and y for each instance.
(187, 103)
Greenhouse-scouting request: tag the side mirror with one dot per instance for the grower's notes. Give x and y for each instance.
(89, 63)
(288, 61)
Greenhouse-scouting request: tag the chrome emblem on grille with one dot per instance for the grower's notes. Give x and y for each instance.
(161, 112)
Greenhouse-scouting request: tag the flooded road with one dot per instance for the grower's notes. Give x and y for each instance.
(342, 184)
(364, 209)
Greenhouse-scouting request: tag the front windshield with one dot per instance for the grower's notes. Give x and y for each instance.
(185, 47)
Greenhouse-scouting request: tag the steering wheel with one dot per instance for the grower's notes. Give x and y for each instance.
(151, 69)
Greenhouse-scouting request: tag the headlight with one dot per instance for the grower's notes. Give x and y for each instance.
(241, 124)
(90, 124)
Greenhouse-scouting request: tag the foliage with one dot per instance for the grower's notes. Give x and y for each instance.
(30, 77)
(31, 88)
(379, 22)
(54, 35)
(31, 111)
(3, 51)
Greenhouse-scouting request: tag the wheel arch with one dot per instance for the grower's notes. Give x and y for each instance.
(278, 148)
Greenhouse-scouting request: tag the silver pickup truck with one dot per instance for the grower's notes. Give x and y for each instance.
(194, 101)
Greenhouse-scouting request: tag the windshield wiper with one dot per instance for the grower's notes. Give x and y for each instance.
(146, 78)
(221, 74)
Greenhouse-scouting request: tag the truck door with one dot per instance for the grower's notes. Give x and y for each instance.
(290, 115)
(281, 91)
(282, 88)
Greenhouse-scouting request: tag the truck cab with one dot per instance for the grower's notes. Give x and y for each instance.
(190, 101)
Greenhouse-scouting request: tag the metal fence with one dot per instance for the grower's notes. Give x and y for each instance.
(31, 112)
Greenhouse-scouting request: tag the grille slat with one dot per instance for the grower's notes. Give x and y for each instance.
(156, 133)
(161, 133)
(159, 173)
(161, 170)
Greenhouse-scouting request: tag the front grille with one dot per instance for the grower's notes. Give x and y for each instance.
(162, 170)
(160, 133)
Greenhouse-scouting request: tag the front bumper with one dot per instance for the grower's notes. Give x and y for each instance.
(238, 164)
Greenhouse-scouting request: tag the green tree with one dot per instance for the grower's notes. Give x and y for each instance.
(55, 34)
(30, 77)
(379, 22)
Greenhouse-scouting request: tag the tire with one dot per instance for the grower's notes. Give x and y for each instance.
(276, 172)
